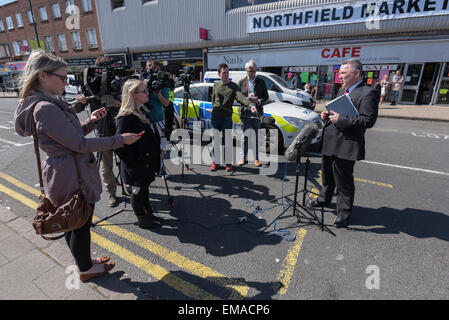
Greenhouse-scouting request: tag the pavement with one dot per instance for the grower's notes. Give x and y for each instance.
(35, 269)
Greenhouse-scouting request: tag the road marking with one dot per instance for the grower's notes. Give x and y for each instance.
(188, 289)
(407, 168)
(380, 184)
(15, 144)
(19, 197)
(20, 184)
(239, 288)
(156, 271)
(290, 261)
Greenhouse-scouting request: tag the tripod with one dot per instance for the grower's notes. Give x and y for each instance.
(300, 209)
(124, 194)
(186, 99)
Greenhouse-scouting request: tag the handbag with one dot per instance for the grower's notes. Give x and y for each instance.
(72, 215)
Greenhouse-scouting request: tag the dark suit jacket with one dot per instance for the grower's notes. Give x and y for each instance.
(346, 140)
(140, 160)
(260, 91)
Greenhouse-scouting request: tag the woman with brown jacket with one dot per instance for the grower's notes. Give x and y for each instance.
(60, 133)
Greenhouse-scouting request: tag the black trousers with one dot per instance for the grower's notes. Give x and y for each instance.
(338, 173)
(140, 202)
(79, 241)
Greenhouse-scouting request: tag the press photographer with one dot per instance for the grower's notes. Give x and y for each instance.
(103, 86)
(158, 84)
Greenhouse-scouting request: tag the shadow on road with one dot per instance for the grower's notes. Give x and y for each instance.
(414, 222)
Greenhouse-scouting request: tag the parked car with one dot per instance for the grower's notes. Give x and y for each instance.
(278, 89)
(289, 118)
(71, 90)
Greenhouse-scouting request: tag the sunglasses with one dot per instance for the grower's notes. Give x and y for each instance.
(63, 78)
(145, 91)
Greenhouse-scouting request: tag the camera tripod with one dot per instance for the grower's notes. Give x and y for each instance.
(186, 99)
(300, 209)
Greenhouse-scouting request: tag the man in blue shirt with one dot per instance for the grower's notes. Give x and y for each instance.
(155, 108)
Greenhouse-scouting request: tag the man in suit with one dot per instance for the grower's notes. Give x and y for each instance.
(252, 86)
(343, 141)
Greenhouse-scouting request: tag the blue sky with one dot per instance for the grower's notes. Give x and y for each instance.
(2, 2)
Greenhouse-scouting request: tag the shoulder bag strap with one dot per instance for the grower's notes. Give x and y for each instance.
(36, 150)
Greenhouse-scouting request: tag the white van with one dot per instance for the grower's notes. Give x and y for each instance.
(278, 89)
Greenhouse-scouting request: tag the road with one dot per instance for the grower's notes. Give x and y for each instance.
(211, 247)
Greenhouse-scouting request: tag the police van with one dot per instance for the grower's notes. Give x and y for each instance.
(278, 89)
(289, 118)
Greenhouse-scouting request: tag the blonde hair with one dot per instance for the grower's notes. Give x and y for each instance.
(38, 61)
(128, 103)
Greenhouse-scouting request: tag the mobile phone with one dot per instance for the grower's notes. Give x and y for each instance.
(141, 134)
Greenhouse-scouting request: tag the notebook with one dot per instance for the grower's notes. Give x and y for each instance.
(342, 105)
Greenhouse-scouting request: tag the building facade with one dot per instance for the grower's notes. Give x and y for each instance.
(66, 28)
(309, 37)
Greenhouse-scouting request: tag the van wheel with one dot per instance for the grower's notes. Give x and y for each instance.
(270, 145)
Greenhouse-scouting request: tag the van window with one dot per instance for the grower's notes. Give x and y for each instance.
(282, 82)
(199, 93)
(270, 84)
(179, 94)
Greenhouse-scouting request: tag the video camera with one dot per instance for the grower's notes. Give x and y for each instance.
(186, 77)
(107, 79)
(158, 80)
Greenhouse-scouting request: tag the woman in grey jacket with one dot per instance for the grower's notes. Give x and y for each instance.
(60, 133)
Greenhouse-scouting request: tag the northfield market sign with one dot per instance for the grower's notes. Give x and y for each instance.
(369, 12)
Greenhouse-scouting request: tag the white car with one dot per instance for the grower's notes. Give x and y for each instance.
(70, 91)
(289, 118)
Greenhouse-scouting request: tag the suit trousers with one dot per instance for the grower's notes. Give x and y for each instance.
(338, 173)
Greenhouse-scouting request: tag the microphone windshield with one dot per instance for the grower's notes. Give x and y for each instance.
(302, 141)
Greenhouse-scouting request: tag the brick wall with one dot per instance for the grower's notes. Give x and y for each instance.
(52, 27)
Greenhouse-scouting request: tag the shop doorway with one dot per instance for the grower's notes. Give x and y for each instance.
(428, 82)
(412, 77)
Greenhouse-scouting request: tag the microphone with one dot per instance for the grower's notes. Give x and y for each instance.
(302, 141)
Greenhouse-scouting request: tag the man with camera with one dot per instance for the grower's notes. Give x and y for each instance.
(106, 128)
(159, 101)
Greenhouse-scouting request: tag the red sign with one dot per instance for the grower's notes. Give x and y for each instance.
(347, 52)
(204, 35)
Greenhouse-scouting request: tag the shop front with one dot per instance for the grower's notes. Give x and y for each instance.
(422, 63)
(173, 61)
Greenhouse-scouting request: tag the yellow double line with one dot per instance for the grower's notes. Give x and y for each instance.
(238, 289)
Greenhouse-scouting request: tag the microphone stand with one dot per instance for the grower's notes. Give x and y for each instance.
(300, 209)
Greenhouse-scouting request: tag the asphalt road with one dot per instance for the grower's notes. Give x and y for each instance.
(211, 247)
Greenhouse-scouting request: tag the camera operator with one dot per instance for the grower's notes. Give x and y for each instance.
(159, 100)
(106, 128)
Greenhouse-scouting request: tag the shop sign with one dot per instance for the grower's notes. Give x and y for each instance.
(14, 66)
(81, 62)
(380, 67)
(169, 55)
(302, 69)
(372, 55)
(343, 13)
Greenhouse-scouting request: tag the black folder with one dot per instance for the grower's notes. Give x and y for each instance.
(342, 105)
